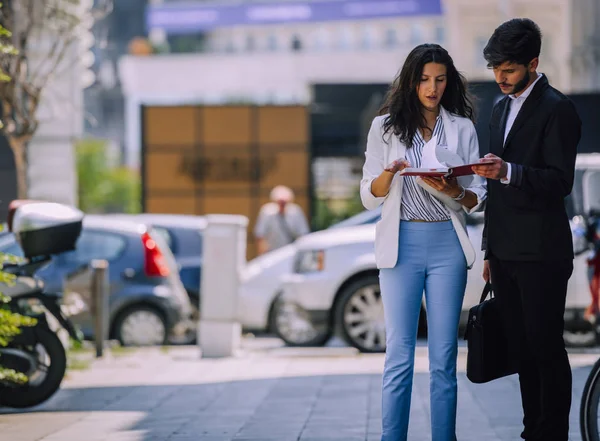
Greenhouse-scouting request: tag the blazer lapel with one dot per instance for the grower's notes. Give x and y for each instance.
(450, 130)
(528, 107)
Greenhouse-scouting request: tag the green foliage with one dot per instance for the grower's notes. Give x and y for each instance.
(328, 212)
(10, 324)
(6, 50)
(102, 188)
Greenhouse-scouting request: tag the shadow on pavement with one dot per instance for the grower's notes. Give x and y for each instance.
(301, 408)
(335, 407)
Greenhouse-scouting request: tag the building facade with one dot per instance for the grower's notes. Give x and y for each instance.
(571, 37)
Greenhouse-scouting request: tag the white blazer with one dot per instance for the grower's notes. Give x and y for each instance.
(461, 139)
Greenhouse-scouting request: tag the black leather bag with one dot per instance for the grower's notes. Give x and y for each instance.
(488, 356)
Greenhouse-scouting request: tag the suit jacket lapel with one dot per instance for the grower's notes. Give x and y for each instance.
(528, 107)
(497, 136)
(450, 130)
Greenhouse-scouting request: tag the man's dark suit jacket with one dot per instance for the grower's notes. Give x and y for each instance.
(527, 219)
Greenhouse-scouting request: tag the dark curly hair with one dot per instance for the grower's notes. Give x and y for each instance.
(402, 102)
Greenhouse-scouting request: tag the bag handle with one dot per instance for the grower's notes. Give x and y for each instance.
(486, 290)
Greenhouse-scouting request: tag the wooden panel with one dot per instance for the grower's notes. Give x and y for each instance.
(286, 167)
(201, 160)
(228, 204)
(228, 169)
(169, 171)
(282, 125)
(170, 125)
(171, 204)
(226, 125)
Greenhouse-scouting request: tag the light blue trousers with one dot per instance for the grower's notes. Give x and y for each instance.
(430, 259)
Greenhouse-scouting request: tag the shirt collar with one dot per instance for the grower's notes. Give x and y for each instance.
(527, 91)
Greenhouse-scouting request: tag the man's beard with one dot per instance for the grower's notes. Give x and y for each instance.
(521, 85)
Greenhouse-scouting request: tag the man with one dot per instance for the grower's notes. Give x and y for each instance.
(280, 221)
(535, 130)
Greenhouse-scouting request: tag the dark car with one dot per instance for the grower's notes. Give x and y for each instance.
(148, 303)
(183, 235)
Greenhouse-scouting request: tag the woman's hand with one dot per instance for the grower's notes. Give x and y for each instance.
(448, 186)
(397, 165)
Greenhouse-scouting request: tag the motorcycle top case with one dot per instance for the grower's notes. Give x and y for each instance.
(45, 228)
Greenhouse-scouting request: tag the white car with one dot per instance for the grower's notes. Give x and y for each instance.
(334, 285)
(261, 278)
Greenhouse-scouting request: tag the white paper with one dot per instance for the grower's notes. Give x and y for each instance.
(429, 158)
(435, 156)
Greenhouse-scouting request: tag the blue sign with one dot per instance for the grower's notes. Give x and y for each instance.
(188, 17)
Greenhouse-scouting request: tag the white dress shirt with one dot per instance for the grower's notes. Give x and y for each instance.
(516, 102)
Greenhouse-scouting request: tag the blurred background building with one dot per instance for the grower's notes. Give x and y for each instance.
(173, 64)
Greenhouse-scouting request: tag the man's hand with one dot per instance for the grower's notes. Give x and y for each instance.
(497, 170)
(486, 271)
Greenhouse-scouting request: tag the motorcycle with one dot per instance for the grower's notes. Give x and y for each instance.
(43, 230)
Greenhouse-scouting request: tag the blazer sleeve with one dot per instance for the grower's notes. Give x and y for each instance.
(559, 150)
(479, 184)
(373, 166)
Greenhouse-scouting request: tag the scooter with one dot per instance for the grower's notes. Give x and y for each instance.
(43, 230)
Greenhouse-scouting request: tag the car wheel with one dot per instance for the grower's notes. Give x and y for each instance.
(141, 326)
(359, 311)
(293, 325)
(195, 301)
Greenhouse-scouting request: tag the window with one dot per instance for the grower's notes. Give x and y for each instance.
(96, 245)
(229, 45)
(321, 40)
(367, 37)
(440, 34)
(271, 42)
(344, 40)
(391, 38)
(296, 44)
(250, 43)
(416, 34)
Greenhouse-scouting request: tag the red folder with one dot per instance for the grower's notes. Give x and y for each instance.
(451, 172)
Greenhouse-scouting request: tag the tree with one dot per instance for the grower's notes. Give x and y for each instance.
(10, 323)
(45, 37)
(101, 187)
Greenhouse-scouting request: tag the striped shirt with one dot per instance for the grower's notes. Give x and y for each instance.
(417, 203)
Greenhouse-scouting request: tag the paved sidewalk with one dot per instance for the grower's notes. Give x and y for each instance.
(267, 393)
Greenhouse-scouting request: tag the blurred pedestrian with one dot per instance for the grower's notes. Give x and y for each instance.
(421, 242)
(535, 130)
(280, 222)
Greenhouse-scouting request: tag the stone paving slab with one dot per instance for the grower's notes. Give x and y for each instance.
(265, 394)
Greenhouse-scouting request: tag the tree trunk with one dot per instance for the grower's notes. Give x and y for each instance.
(19, 149)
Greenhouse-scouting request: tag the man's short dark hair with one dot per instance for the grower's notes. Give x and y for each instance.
(516, 41)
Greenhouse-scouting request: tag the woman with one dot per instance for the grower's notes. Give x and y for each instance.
(421, 242)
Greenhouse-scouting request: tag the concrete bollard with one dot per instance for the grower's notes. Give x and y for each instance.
(99, 303)
(224, 256)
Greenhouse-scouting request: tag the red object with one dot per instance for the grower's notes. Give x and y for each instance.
(451, 172)
(154, 260)
(594, 307)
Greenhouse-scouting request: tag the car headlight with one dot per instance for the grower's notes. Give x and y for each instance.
(309, 261)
